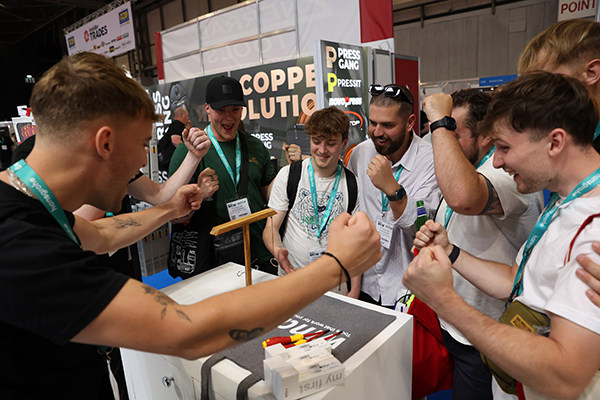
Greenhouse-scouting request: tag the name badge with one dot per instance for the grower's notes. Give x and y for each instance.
(238, 208)
(385, 231)
(315, 254)
(4, 147)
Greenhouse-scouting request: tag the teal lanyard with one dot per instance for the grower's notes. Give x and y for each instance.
(322, 223)
(597, 131)
(30, 178)
(238, 156)
(449, 211)
(542, 225)
(384, 200)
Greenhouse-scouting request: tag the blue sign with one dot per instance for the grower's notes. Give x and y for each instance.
(496, 80)
(71, 42)
(123, 17)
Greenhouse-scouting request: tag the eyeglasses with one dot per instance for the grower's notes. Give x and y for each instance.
(392, 91)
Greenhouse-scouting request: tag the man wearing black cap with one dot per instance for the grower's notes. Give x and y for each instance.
(241, 162)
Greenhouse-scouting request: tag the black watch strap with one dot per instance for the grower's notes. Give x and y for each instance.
(446, 122)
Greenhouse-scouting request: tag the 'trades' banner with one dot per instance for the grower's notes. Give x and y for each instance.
(111, 34)
(280, 98)
(341, 80)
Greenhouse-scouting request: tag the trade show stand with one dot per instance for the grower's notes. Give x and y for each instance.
(379, 368)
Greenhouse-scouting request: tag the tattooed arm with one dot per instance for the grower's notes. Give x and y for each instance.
(110, 234)
(142, 318)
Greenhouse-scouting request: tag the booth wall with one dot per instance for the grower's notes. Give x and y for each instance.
(477, 43)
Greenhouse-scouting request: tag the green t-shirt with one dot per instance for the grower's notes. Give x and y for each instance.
(260, 171)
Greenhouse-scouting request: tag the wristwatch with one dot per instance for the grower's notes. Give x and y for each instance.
(446, 122)
(399, 195)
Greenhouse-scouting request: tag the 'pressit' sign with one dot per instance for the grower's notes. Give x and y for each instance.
(569, 9)
(110, 34)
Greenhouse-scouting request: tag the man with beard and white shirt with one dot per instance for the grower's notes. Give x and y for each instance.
(394, 170)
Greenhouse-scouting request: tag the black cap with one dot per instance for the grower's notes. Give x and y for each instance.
(224, 91)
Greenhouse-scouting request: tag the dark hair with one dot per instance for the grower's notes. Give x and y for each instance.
(539, 102)
(82, 88)
(404, 109)
(477, 104)
(328, 122)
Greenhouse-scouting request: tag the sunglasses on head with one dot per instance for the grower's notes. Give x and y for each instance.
(392, 91)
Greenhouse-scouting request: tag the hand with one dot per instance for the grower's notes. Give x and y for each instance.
(437, 106)
(187, 199)
(281, 254)
(208, 182)
(429, 276)
(196, 141)
(355, 242)
(380, 172)
(432, 234)
(590, 275)
(293, 153)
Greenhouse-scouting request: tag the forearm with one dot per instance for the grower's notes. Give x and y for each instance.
(271, 237)
(181, 177)
(457, 178)
(492, 278)
(398, 207)
(110, 234)
(356, 286)
(538, 362)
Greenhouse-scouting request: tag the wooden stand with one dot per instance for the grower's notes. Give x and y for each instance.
(244, 222)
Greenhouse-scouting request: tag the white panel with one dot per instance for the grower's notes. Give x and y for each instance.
(276, 14)
(231, 57)
(279, 48)
(182, 68)
(180, 41)
(334, 20)
(236, 24)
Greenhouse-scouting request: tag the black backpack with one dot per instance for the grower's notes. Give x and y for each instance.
(292, 188)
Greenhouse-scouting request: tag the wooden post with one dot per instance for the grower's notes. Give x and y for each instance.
(244, 223)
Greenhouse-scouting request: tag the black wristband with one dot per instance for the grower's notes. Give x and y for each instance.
(454, 254)
(348, 284)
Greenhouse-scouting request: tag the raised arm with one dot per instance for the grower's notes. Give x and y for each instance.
(197, 143)
(110, 234)
(222, 321)
(466, 191)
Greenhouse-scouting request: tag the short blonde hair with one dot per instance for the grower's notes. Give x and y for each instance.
(81, 89)
(568, 43)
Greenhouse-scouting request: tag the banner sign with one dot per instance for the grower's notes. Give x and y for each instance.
(280, 97)
(111, 34)
(569, 9)
(341, 81)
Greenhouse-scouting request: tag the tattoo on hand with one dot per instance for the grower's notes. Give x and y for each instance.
(121, 223)
(241, 335)
(165, 301)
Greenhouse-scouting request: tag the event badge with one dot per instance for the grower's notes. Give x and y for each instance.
(385, 231)
(315, 254)
(238, 208)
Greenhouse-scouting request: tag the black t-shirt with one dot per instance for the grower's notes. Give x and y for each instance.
(50, 290)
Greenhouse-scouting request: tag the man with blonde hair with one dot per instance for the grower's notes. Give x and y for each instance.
(58, 304)
(570, 48)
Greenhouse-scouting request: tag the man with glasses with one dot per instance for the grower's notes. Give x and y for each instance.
(394, 170)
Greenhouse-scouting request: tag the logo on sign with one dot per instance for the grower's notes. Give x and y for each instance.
(120, 37)
(86, 36)
(71, 42)
(123, 17)
(112, 48)
(125, 35)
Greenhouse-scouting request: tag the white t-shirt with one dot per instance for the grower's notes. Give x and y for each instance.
(550, 285)
(301, 231)
(495, 238)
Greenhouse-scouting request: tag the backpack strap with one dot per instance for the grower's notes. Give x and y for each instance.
(352, 190)
(295, 173)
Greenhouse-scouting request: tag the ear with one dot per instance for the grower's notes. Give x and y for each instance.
(556, 140)
(344, 143)
(104, 141)
(591, 73)
(410, 122)
(207, 107)
(484, 141)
